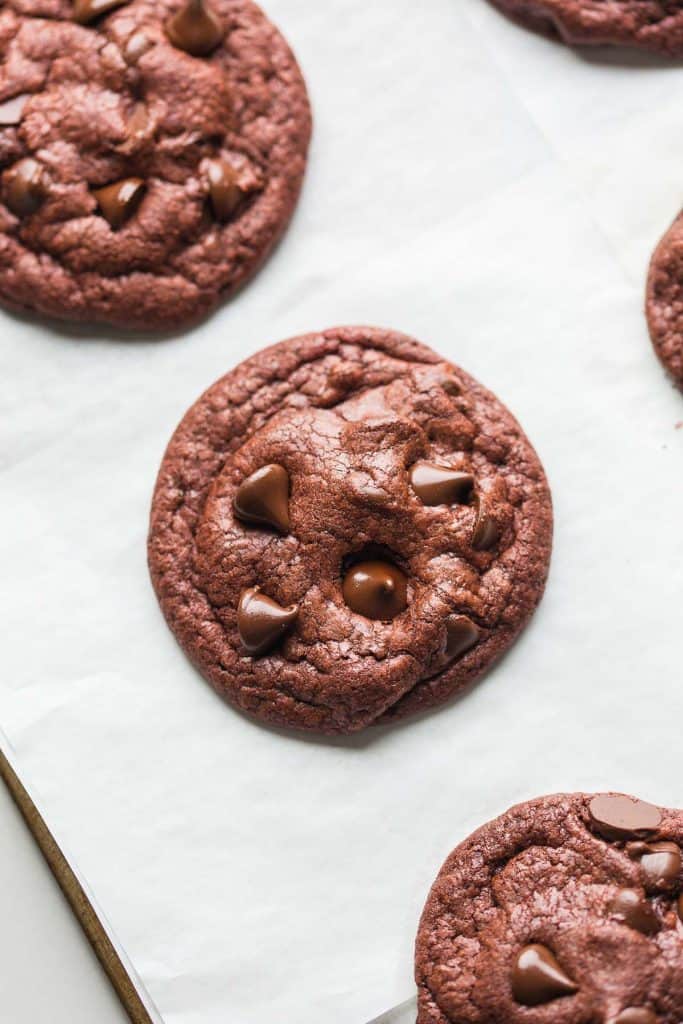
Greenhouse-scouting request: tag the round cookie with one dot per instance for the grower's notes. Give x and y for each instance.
(151, 154)
(346, 529)
(648, 24)
(664, 300)
(566, 909)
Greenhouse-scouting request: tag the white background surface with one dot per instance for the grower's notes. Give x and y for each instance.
(49, 972)
(498, 197)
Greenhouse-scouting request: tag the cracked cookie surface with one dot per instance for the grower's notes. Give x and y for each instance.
(565, 910)
(210, 151)
(649, 24)
(664, 301)
(296, 514)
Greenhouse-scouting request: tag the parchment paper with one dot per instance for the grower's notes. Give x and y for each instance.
(497, 196)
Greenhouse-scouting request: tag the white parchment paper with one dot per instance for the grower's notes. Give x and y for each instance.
(498, 197)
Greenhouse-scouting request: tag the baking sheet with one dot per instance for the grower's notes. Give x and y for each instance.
(497, 196)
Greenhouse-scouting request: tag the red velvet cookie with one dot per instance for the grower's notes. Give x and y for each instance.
(664, 301)
(151, 154)
(649, 24)
(565, 910)
(347, 529)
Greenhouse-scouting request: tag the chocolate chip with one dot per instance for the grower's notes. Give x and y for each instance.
(486, 532)
(461, 635)
(25, 187)
(86, 11)
(635, 1015)
(680, 907)
(435, 484)
(661, 864)
(136, 47)
(195, 29)
(537, 977)
(377, 590)
(263, 498)
(224, 191)
(451, 386)
(262, 622)
(635, 911)
(621, 817)
(119, 201)
(12, 111)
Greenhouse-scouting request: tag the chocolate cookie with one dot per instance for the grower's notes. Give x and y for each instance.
(151, 153)
(566, 909)
(347, 529)
(664, 301)
(649, 24)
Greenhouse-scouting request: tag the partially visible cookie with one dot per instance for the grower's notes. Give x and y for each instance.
(664, 301)
(151, 154)
(566, 910)
(648, 24)
(347, 529)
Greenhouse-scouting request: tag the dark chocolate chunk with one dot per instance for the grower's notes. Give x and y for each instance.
(12, 111)
(635, 1015)
(225, 193)
(623, 817)
(377, 590)
(635, 911)
(119, 201)
(195, 28)
(661, 864)
(486, 532)
(461, 635)
(25, 187)
(537, 977)
(262, 622)
(86, 11)
(435, 484)
(263, 498)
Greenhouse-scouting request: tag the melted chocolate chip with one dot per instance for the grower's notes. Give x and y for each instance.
(119, 201)
(537, 977)
(635, 911)
(377, 590)
(86, 11)
(661, 864)
(262, 622)
(435, 484)
(486, 532)
(621, 817)
(225, 193)
(25, 187)
(12, 111)
(635, 1015)
(263, 498)
(195, 29)
(461, 635)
